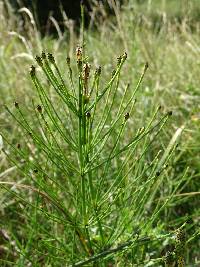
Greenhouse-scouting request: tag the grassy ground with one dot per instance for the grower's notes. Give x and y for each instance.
(126, 211)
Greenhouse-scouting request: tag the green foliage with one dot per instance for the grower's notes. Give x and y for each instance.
(97, 178)
(86, 175)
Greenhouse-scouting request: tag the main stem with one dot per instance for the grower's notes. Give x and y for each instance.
(82, 158)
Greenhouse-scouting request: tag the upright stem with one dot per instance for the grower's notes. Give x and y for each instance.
(80, 135)
(82, 27)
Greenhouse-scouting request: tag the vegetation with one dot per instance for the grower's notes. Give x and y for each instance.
(100, 165)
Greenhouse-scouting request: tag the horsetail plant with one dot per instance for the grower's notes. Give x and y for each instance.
(86, 165)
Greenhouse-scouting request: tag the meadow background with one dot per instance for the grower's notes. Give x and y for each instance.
(166, 35)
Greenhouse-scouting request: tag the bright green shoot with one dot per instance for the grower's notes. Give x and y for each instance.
(83, 162)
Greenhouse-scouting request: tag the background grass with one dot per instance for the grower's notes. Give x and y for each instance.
(166, 35)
